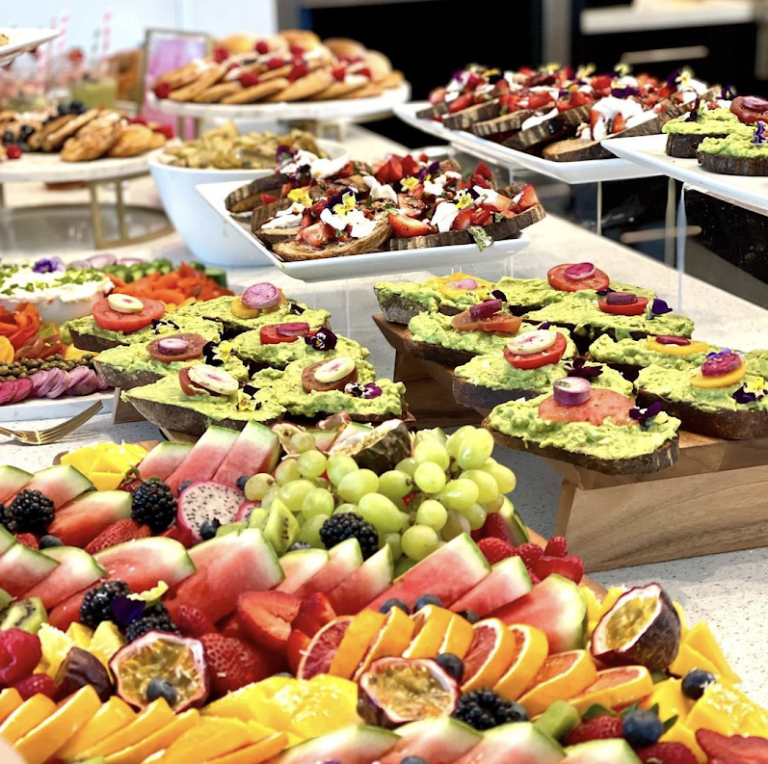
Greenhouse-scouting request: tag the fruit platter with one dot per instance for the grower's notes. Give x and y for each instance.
(342, 593)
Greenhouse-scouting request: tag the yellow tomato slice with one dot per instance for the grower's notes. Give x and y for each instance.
(694, 347)
(724, 380)
(242, 311)
(442, 283)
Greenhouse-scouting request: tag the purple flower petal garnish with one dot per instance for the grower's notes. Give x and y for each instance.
(544, 325)
(743, 397)
(499, 295)
(580, 368)
(672, 78)
(323, 339)
(604, 292)
(760, 134)
(48, 265)
(433, 168)
(474, 194)
(660, 307)
(126, 610)
(644, 416)
(367, 391)
(625, 92)
(727, 92)
(285, 153)
(693, 115)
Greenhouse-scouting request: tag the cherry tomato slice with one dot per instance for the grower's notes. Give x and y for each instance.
(633, 309)
(186, 385)
(194, 348)
(310, 383)
(602, 404)
(270, 335)
(498, 322)
(552, 354)
(557, 280)
(114, 321)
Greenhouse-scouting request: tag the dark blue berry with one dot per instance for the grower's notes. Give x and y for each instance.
(8, 138)
(695, 682)
(241, 481)
(75, 107)
(469, 615)
(184, 485)
(208, 528)
(413, 760)
(46, 542)
(427, 599)
(162, 688)
(641, 728)
(394, 602)
(62, 109)
(452, 665)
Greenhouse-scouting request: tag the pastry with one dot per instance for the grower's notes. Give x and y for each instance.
(55, 140)
(306, 87)
(94, 143)
(133, 140)
(208, 78)
(258, 92)
(215, 93)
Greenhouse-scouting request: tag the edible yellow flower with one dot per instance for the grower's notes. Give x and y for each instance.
(409, 183)
(755, 385)
(347, 205)
(622, 69)
(301, 196)
(224, 351)
(685, 76)
(463, 200)
(491, 72)
(586, 71)
(245, 402)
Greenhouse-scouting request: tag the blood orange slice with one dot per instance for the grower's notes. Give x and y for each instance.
(391, 640)
(489, 655)
(323, 648)
(562, 677)
(357, 639)
(615, 688)
(529, 653)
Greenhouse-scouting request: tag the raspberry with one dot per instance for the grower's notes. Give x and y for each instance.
(275, 63)
(37, 684)
(296, 50)
(495, 550)
(28, 540)
(339, 73)
(20, 652)
(248, 79)
(192, 622)
(220, 55)
(531, 554)
(299, 70)
(365, 71)
(496, 527)
(262, 47)
(557, 546)
(599, 728)
(232, 664)
(13, 151)
(162, 90)
(137, 121)
(666, 753)
(165, 130)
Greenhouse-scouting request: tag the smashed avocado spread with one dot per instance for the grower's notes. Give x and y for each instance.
(588, 320)
(734, 146)
(171, 323)
(758, 360)
(520, 419)
(250, 347)
(708, 122)
(428, 296)
(534, 293)
(676, 386)
(285, 389)
(436, 329)
(636, 353)
(493, 372)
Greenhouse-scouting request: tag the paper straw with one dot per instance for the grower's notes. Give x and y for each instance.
(62, 38)
(105, 35)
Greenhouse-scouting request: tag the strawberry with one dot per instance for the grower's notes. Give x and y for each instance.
(220, 55)
(495, 550)
(262, 47)
(735, 749)
(594, 118)
(666, 753)
(579, 98)
(484, 171)
(182, 535)
(118, 533)
(391, 171)
(230, 627)
(463, 220)
(528, 199)
(315, 612)
(298, 71)
(192, 622)
(248, 79)
(275, 63)
(232, 663)
(601, 84)
(531, 554)
(162, 90)
(28, 540)
(165, 130)
(266, 617)
(295, 647)
(268, 199)
(37, 684)
(557, 546)
(20, 652)
(437, 96)
(339, 73)
(539, 99)
(296, 50)
(316, 235)
(618, 124)
(496, 527)
(405, 227)
(410, 166)
(481, 217)
(365, 71)
(599, 728)
(462, 102)
(570, 567)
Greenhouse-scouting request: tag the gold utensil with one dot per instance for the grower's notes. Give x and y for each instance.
(51, 435)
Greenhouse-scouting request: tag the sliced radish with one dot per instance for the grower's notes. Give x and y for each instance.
(485, 309)
(463, 284)
(261, 296)
(124, 303)
(213, 379)
(579, 271)
(669, 339)
(722, 363)
(621, 298)
(294, 329)
(173, 345)
(532, 342)
(334, 370)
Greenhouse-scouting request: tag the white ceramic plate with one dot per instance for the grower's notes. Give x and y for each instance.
(358, 266)
(23, 39)
(56, 408)
(331, 111)
(574, 173)
(648, 151)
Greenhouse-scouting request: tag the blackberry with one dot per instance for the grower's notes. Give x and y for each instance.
(33, 512)
(97, 603)
(7, 519)
(348, 525)
(155, 618)
(484, 709)
(154, 505)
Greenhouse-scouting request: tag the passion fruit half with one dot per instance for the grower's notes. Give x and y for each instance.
(396, 691)
(160, 655)
(379, 449)
(642, 628)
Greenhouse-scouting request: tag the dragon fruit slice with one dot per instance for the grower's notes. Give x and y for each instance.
(207, 500)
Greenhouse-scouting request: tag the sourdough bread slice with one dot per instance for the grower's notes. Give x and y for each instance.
(556, 128)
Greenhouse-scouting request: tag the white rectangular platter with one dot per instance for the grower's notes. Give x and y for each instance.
(360, 266)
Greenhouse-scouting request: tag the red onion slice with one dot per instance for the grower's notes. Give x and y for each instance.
(753, 103)
(721, 364)
(76, 377)
(579, 271)
(293, 329)
(61, 386)
(131, 261)
(38, 380)
(23, 390)
(261, 296)
(54, 375)
(86, 386)
(173, 345)
(572, 391)
(669, 339)
(485, 309)
(463, 284)
(621, 298)
(101, 261)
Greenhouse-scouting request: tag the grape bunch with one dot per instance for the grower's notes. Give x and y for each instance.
(448, 487)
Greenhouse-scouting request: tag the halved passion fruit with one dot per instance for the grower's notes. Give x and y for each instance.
(378, 449)
(396, 691)
(642, 628)
(158, 655)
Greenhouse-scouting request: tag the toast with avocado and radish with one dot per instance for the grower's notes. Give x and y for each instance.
(595, 428)
(725, 397)
(685, 134)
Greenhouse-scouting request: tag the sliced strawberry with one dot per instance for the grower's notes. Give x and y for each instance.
(528, 199)
(230, 627)
(540, 99)
(464, 101)
(473, 81)
(570, 567)
(463, 220)
(594, 118)
(580, 98)
(365, 72)
(339, 73)
(437, 96)
(602, 84)
(266, 617)
(481, 217)
(618, 124)
(317, 235)
(297, 645)
(28, 540)
(118, 533)
(405, 227)
(484, 171)
(298, 71)
(557, 546)
(192, 622)
(746, 750)
(315, 612)
(268, 199)
(410, 166)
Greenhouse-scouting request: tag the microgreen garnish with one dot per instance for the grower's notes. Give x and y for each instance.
(482, 238)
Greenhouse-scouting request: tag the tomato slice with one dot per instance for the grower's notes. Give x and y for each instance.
(311, 384)
(270, 335)
(552, 354)
(499, 322)
(602, 404)
(194, 349)
(557, 280)
(186, 385)
(633, 309)
(114, 321)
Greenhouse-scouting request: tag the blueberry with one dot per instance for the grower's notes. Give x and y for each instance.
(208, 528)
(241, 481)
(413, 760)
(641, 728)
(451, 664)
(26, 131)
(162, 688)
(62, 110)
(389, 604)
(75, 107)
(46, 542)
(427, 599)
(514, 712)
(469, 615)
(8, 137)
(695, 682)
(184, 485)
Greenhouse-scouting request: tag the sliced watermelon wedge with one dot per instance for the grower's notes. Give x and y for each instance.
(77, 570)
(257, 449)
(370, 580)
(299, 566)
(61, 484)
(349, 745)
(21, 568)
(12, 480)
(508, 581)
(7, 540)
(205, 458)
(80, 521)
(68, 611)
(344, 559)
(438, 741)
(164, 459)
(614, 751)
(520, 743)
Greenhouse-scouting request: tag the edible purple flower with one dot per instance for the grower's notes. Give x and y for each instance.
(672, 78)
(693, 115)
(126, 610)
(323, 339)
(659, 307)
(625, 92)
(760, 134)
(285, 153)
(604, 292)
(727, 92)
(580, 368)
(724, 351)
(644, 416)
(296, 309)
(209, 353)
(499, 295)
(544, 325)
(48, 265)
(474, 194)
(751, 391)
(367, 391)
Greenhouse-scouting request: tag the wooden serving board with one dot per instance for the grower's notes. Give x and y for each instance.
(711, 500)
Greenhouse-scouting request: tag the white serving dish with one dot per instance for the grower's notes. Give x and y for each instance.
(23, 39)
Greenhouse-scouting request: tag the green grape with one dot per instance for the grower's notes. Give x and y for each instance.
(475, 450)
(270, 496)
(310, 532)
(395, 484)
(357, 484)
(392, 540)
(312, 464)
(405, 521)
(399, 503)
(455, 525)
(432, 513)
(432, 451)
(503, 476)
(301, 518)
(459, 494)
(495, 506)
(476, 515)
(489, 488)
(408, 466)
(287, 471)
(302, 441)
(256, 488)
(380, 512)
(403, 565)
(318, 502)
(293, 494)
(419, 542)
(429, 477)
(342, 508)
(455, 440)
(340, 465)
(322, 482)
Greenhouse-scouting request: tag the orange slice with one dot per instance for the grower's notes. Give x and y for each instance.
(489, 655)
(159, 741)
(10, 700)
(430, 625)
(562, 677)
(323, 647)
(355, 643)
(392, 639)
(212, 738)
(26, 717)
(111, 717)
(458, 637)
(528, 655)
(256, 753)
(615, 688)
